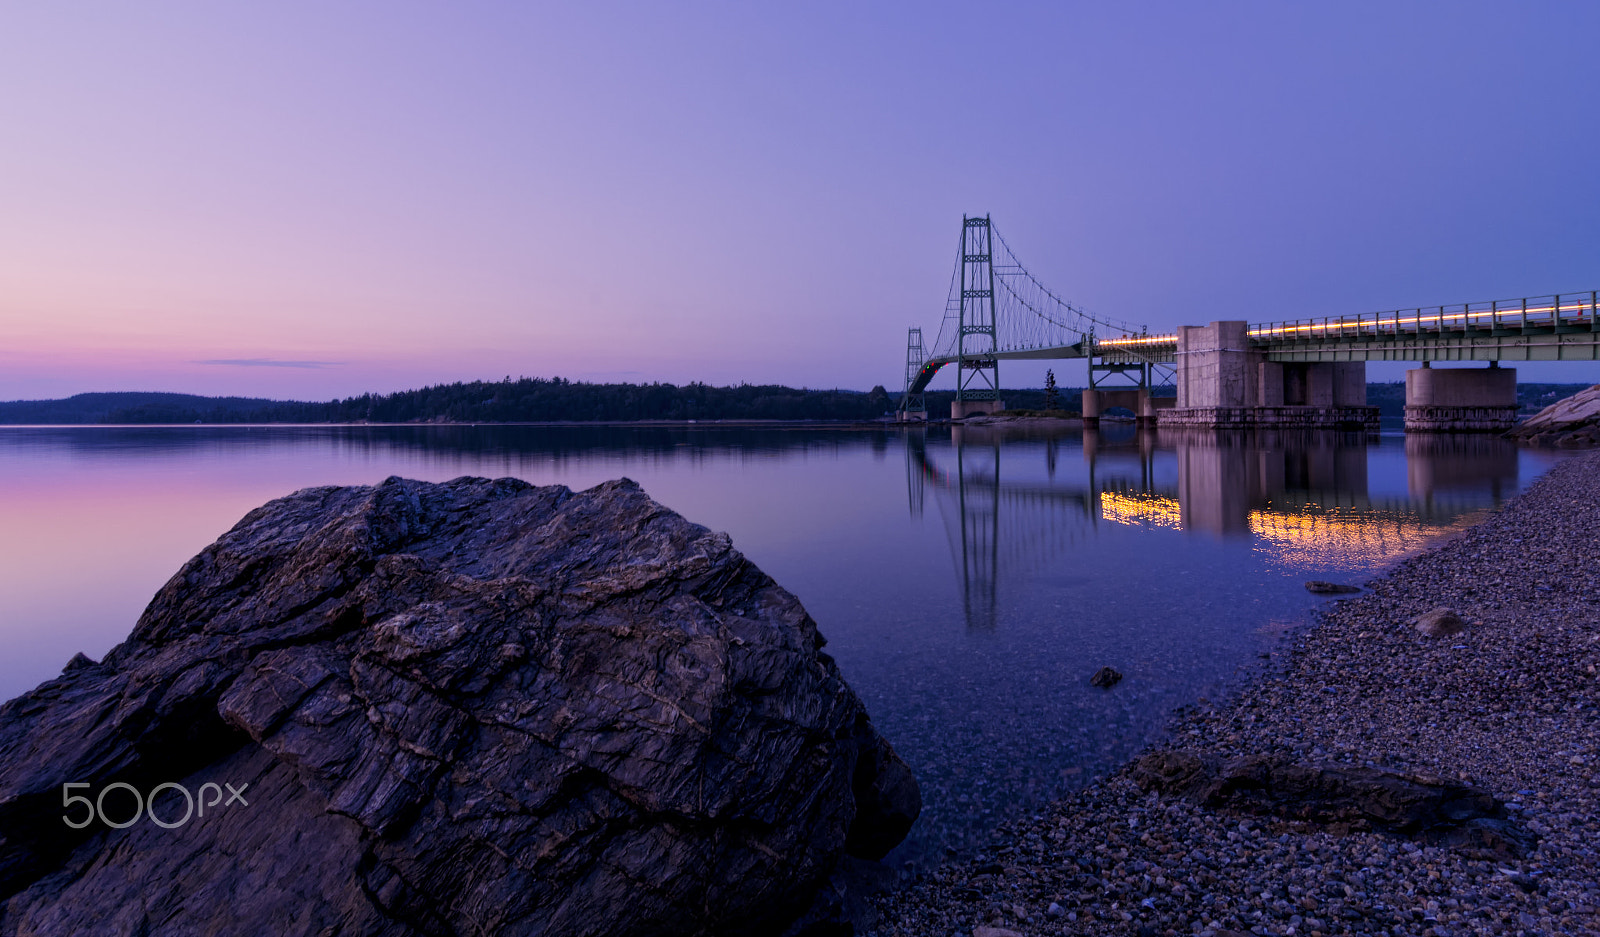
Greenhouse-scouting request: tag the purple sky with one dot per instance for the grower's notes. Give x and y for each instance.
(310, 200)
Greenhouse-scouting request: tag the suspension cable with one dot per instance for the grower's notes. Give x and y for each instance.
(1109, 323)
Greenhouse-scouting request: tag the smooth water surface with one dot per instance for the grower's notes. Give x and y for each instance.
(969, 581)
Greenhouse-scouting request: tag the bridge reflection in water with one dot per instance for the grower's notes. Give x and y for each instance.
(1304, 499)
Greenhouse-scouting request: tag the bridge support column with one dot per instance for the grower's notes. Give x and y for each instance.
(961, 409)
(1461, 400)
(1214, 366)
(1097, 400)
(1223, 383)
(1150, 408)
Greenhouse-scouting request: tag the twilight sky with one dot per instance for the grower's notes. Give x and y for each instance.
(306, 200)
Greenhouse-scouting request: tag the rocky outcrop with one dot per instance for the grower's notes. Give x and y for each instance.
(478, 707)
(1350, 797)
(1570, 423)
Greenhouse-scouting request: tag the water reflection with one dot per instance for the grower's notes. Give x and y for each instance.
(1444, 466)
(1029, 560)
(1303, 497)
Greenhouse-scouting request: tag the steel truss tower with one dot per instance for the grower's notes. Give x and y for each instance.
(916, 355)
(977, 370)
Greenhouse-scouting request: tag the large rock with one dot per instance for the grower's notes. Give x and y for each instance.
(1570, 422)
(477, 707)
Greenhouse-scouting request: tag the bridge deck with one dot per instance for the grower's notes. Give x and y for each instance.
(1561, 327)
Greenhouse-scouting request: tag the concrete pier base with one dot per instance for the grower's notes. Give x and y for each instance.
(961, 409)
(1151, 408)
(1461, 400)
(1223, 383)
(1097, 400)
(1364, 419)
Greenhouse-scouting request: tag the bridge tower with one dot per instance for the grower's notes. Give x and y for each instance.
(977, 368)
(913, 406)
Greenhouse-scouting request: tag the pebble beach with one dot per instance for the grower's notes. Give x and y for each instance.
(1509, 705)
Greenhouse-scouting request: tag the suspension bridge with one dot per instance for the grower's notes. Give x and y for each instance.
(1291, 373)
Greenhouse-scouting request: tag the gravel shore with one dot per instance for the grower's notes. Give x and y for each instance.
(1511, 705)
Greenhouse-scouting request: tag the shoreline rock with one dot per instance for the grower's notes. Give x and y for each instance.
(1509, 710)
(1571, 423)
(461, 708)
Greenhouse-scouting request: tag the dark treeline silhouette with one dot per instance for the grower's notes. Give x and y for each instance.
(538, 399)
(133, 407)
(507, 401)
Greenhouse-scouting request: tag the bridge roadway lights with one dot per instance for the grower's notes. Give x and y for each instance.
(1461, 400)
(961, 409)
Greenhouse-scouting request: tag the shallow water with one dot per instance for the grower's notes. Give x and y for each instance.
(968, 581)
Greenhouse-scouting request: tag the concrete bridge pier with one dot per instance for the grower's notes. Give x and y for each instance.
(1137, 400)
(1223, 382)
(1461, 400)
(961, 409)
(1097, 400)
(1150, 409)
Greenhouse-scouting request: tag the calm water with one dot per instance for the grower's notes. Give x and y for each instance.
(968, 582)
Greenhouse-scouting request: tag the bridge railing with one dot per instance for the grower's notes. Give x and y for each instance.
(1562, 310)
(1134, 347)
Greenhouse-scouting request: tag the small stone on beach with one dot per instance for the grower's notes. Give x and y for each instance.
(1440, 623)
(1318, 587)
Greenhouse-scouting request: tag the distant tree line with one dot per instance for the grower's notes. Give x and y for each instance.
(507, 401)
(132, 407)
(539, 399)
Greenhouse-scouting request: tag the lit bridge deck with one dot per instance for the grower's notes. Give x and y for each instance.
(1561, 327)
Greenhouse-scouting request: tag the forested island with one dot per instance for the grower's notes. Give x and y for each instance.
(556, 399)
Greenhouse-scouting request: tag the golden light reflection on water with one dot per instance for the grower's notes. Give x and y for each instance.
(1141, 509)
(1305, 537)
(1347, 537)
